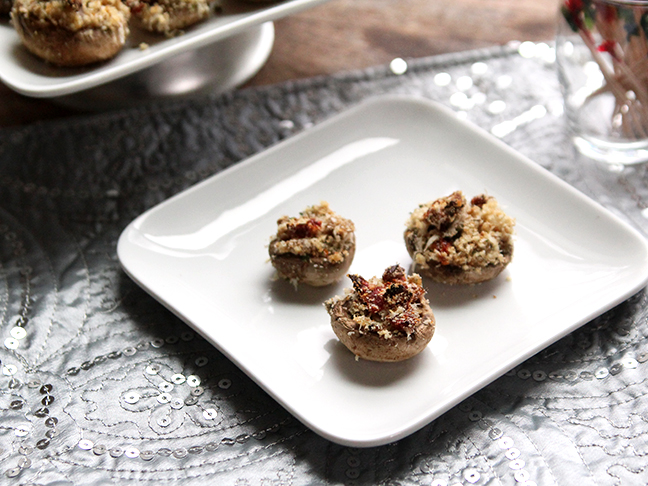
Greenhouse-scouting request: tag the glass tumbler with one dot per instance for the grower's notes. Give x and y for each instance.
(602, 57)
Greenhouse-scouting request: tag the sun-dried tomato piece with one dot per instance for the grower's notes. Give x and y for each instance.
(308, 229)
(443, 213)
(370, 295)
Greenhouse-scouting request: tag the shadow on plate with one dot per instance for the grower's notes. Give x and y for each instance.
(371, 373)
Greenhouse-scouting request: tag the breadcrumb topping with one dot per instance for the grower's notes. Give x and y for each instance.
(387, 306)
(449, 231)
(75, 15)
(318, 232)
(167, 16)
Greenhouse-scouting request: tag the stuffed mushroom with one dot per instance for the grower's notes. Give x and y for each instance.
(456, 242)
(383, 319)
(71, 32)
(315, 248)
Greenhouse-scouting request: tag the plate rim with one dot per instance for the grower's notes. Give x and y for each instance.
(640, 280)
(94, 76)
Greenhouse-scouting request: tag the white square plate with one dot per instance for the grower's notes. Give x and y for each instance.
(203, 254)
(30, 76)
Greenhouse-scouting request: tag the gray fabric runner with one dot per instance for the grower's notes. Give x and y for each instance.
(82, 347)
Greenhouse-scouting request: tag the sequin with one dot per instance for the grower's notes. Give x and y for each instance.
(47, 400)
(570, 375)
(171, 340)
(9, 370)
(14, 384)
(51, 422)
(180, 453)
(157, 343)
(555, 375)
(224, 384)
(197, 391)
(43, 443)
(21, 431)
(193, 380)
(243, 438)
(164, 398)
(586, 375)
(211, 446)
(24, 462)
(475, 416)
(33, 384)
(129, 351)
(153, 369)
(85, 444)
(539, 375)
(73, 371)
(505, 443)
(630, 363)
(114, 355)
(601, 373)
(485, 424)
(439, 482)
(201, 361)
(131, 452)
(524, 374)
(260, 435)
(16, 404)
(352, 473)
(512, 453)
(642, 358)
(353, 461)
(132, 397)
(471, 475)
(11, 343)
(191, 400)
(142, 346)
(165, 386)
(195, 450)
(46, 389)
(99, 449)
(495, 433)
(42, 412)
(116, 452)
(18, 332)
(465, 407)
(521, 476)
(147, 455)
(25, 450)
(164, 421)
(187, 336)
(178, 379)
(616, 368)
(164, 452)
(228, 441)
(51, 433)
(517, 464)
(13, 472)
(177, 403)
(86, 365)
(210, 414)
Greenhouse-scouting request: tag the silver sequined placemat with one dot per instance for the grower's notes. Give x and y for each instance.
(101, 385)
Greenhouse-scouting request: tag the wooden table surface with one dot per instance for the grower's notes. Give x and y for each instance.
(343, 35)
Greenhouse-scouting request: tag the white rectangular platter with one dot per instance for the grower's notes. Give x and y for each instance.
(203, 254)
(28, 75)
